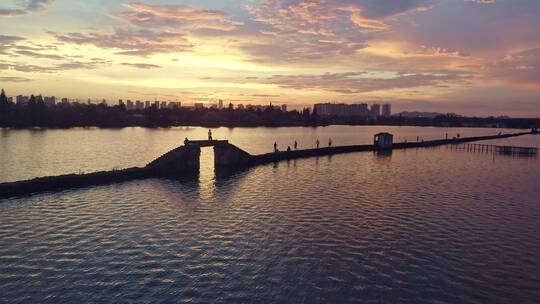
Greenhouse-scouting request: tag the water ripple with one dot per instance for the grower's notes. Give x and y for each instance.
(425, 226)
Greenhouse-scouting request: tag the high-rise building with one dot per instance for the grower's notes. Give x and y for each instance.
(129, 105)
(220, 104)
(139, 105)
(49, 101)
(147, 104)
(375, 110)
(284, 108)
(22, 100)
(341, 109)
(163, 105)
(386, 110)
(199, 105)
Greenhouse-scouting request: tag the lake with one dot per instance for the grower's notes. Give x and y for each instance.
(418, 226)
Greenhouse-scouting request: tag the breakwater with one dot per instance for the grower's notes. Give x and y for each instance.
(184, 161)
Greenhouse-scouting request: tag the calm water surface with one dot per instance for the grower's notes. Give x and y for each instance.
(414, 226)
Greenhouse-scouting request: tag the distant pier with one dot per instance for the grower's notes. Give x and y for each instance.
(505, 150)
(185, 161)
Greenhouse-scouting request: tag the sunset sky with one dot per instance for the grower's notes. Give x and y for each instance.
(478, 57)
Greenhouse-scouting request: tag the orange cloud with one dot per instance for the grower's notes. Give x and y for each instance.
(177, 16)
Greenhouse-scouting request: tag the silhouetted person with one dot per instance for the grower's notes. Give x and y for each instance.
(186, 141)
(458, 135)
(295, 145)
(329, 142)
(318, 143)
(288, 148)
(209, 134)
(275, 147)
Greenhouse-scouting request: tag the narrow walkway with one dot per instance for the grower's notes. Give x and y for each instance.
(184, 161)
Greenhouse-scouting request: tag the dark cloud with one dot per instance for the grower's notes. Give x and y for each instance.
(142, 65)
(520, 67)
(14, 79)
(39, 55)
(297, 48)
(91, 64)
(354, 83)
(25, 68)
(474, 28)
(131, 42)
(8, 42)
(26, 7)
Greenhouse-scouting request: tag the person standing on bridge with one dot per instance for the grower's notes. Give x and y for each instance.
(295, 145)
(186, 141)
(318, 143)
(329, 142)
(210, 135)
(275, 147)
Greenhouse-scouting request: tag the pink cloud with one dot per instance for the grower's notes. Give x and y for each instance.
(177, 16)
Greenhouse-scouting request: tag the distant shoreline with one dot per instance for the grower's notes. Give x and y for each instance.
(115, 117)
(105, 127)
(248, 126)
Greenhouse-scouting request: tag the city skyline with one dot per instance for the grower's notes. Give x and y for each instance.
(473, 57)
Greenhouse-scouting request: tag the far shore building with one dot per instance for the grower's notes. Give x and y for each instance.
(50, 101)
(386, 110)
(199, 106)
(375, 110)
(342, 109)
(22, 100)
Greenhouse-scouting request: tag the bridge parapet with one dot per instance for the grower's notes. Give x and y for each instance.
(206, 143)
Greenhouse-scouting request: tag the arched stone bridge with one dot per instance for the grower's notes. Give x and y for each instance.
(185, 159)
